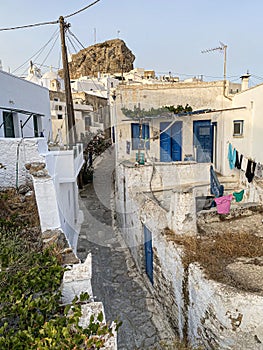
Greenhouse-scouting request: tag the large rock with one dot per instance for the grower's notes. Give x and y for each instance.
(112, 56)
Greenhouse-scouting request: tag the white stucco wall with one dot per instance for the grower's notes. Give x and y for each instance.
(15, 153)
(223, 317)
(47, 204)
(56, 194)
(21, 94)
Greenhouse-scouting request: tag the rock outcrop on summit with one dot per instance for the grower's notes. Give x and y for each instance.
(112, 56)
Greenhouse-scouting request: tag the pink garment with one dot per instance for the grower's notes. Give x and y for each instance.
(223, 204)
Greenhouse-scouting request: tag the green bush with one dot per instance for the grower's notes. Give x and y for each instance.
(31, 315)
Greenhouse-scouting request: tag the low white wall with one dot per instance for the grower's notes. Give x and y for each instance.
(15, 153)
(46, 203)
(164, 175)
(221, 317)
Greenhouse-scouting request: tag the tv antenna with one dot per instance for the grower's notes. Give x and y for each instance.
(223, 48)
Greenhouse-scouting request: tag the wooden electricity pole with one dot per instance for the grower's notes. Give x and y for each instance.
(69, 103)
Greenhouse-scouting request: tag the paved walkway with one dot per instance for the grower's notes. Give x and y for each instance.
(116, 281)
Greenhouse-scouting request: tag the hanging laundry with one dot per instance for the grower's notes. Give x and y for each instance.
(250, 172)
(215, 187)
(238, 162)
(231, 156)
(223, 204)
(244, 164)
(239, 195)
(259, 170)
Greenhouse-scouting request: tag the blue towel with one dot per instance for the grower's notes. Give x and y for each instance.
(231, 156)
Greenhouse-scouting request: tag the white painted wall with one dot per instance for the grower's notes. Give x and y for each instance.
(15, 153)
(21, 94)
(221, 317)
(57, 195)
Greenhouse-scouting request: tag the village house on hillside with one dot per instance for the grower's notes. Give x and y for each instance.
(25, 129)
(194, 174)
(90, 103)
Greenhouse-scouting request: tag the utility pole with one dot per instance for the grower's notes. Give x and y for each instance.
(69, 103)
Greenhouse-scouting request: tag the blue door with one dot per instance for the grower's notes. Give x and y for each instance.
(148, 250)
(170, 142)
(203, 141)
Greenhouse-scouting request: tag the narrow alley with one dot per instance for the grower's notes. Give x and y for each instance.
(116, 281)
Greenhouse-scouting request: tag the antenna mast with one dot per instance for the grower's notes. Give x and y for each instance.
(222, 47)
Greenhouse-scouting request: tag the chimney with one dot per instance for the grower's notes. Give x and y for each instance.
(244, 81)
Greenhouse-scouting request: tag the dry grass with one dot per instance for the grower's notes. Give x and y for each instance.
(215, 253)
(18, 209)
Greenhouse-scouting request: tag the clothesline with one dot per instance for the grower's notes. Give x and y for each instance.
(251, 167)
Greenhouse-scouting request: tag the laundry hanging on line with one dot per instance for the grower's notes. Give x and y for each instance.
(223, 204)
(231, 156)
(250, 171)
(239, 195)
(239, 159)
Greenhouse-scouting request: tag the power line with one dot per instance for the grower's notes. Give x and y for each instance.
(83, 9)
(50, 22)
(74, 36)
(38, 53)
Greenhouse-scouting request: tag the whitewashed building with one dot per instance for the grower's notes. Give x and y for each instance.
(25, 157)
(24, 108)
(160, 195)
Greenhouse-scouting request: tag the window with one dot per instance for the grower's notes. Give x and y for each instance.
(60, 108)
(8, 121)
(60, 116)
(87, 122)
(137, 142)
(238, 127)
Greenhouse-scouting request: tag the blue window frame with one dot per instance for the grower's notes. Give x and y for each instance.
(144, 143)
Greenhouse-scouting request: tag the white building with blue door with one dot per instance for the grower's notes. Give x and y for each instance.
(197, 136)
(156, 202)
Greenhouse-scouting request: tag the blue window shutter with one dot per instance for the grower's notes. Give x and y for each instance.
(135, 133)
(146, 135)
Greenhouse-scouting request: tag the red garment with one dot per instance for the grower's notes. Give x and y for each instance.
(223, 204)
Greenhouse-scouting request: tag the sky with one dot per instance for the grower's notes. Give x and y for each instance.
(164, 35)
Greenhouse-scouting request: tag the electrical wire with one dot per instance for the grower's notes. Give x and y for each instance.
(49, 22)
(81, 10)
(70, 41)
(38, 53)
(74, 36)
(56, 39)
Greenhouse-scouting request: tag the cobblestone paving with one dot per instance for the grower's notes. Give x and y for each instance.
(116, 281)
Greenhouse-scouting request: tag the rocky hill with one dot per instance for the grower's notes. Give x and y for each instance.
(112, 56)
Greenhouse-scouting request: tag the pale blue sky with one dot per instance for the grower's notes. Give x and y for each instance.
(164, 35)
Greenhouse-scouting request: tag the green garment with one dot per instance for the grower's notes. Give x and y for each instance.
(238, 195)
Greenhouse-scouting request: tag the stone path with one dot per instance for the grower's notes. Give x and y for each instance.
(116, 281)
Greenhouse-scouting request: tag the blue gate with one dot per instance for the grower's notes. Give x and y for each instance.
(203, 141)
(170, 142)
(148, 251)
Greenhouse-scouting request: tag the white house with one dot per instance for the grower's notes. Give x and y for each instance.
(25, 115)
(24, 108)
